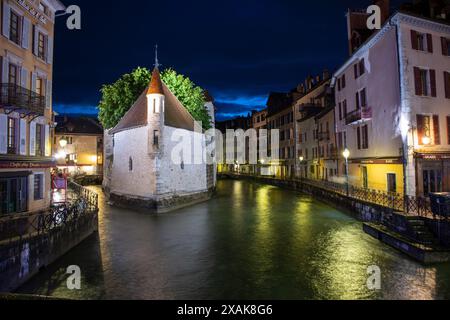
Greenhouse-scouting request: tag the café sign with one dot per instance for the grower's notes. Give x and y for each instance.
(26, 165)
(32, 10)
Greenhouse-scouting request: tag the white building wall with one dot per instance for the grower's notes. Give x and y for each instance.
(381, 81)
(412, 105)
(172, 178)
(141, 181)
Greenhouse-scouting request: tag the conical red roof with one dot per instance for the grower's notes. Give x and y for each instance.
(155, 84)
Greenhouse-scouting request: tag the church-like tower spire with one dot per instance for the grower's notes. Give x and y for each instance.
(156, 84)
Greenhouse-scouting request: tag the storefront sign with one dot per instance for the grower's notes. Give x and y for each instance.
(377, 161)
(26, 165)
(433, 156)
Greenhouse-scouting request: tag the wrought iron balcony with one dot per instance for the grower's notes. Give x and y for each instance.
(14, 98)
(358, 116)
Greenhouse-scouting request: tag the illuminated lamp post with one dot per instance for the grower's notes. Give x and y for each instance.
(346, 155)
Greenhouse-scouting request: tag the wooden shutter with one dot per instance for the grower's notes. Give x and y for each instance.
(417, 81)
(35, 40)
(444, 46)
(430, 42)
(49, 50)
(447, 84)
(433, 82)
(420, 127)
(448, 129)
(6, 19)
(48, 94)
(33, 81)
(357, 100)
(24, 77)
(3, 134)
(47, 141)
(32, 138)
(4, 70)
(23, 137)
(414, 43)
(358, 134)
(436, 130)
(26, 33)
(366, 137)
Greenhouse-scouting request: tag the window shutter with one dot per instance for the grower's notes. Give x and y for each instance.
(26, 33)
(355, 69)
(35, 40)
(414, 40)
(358, 134)
(33, 81)
(3, 133)
(357, 100)
(49, 50)
(6, 18)
(444, 46)
(366, 137)
(23, 137)
(447, 84)
(48, 94)
(420, 127)
(47, 141)
(430, 42)
(433, 82)
(436, 130)
(24, 77)
(4, 70)
(343, 82)
(32, 138)
(448, 129)
(417, 81)
(363, 98)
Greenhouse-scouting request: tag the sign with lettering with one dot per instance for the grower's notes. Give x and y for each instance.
(26, 165)
(32, 10)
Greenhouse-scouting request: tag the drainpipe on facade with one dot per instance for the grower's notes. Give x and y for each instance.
(405, 152)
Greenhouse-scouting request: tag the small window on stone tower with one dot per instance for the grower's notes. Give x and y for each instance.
(130, 164)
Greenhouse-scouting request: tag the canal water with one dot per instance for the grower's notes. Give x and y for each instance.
(251, 241)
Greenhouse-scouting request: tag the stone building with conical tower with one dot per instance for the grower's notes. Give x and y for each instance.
(155, 157)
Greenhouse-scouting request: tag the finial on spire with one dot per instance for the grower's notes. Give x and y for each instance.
(157, 65)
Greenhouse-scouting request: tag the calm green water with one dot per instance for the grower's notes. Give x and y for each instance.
(250, 242)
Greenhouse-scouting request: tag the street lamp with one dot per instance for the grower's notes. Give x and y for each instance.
(301, 166)
(63, 142)
(346, 155)
(426, 140)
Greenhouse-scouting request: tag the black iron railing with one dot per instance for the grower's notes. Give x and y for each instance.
(83, 205)
(17, 98)
(357, 115)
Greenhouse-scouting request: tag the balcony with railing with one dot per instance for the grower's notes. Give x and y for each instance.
(358, 116)
(14, 98)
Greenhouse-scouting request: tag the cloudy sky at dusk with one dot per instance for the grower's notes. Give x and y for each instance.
(237, 50)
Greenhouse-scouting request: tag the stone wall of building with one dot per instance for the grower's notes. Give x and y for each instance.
(108, 160)
(178, 176)
(133, 170)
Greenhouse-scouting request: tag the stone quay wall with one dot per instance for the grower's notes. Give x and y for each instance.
(23, 256)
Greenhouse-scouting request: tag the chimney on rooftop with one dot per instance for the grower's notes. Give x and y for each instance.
(309, 83)
(326, 74)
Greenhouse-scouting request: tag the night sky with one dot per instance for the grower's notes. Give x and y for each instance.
(237, 50)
